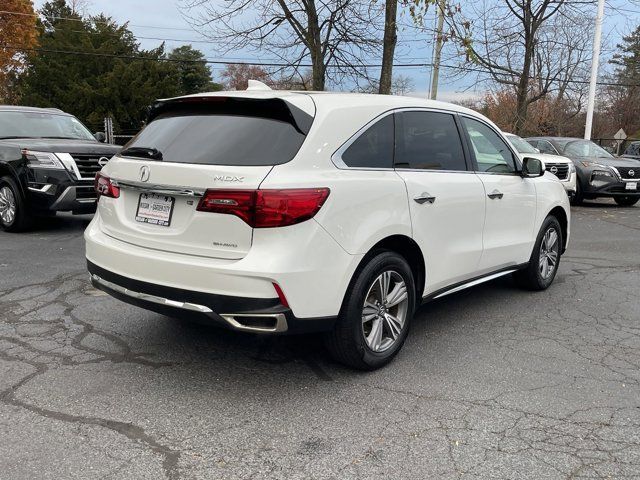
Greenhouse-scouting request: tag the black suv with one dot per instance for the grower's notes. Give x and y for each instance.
(600, 174)
(632, 151)
(48, 162)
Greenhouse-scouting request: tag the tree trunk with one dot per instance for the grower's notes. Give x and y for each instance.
(315, 47)
(388, 46)
(522, 89)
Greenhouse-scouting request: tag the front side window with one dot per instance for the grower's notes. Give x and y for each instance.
(429, 141)
(373, 148)
(491, 152)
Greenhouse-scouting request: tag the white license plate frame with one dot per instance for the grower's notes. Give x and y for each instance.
(154, 209)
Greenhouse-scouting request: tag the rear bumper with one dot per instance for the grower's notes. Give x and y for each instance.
(307, 264)
(255, 315)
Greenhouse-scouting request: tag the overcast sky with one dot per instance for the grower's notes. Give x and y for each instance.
(151, 20)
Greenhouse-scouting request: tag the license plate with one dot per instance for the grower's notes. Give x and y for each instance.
(631, 186)
(155, 209)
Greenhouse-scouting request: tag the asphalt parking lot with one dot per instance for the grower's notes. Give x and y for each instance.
(493, 382)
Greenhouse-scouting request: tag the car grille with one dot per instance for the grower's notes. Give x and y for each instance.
(88, 165)
(560, 170)
(626, 173)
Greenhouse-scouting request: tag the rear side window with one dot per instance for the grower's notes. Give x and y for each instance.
(429, 141)
(254, 135)
(373, 148)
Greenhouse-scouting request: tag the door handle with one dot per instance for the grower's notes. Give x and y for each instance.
(424, 197)
(495, 194)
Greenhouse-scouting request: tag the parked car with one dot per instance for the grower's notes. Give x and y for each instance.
(632, 151)
(600, 174)
(273, 212)
(560, 166)
(48, 161)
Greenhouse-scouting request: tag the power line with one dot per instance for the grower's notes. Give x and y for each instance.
(282, 65)
(9, 12)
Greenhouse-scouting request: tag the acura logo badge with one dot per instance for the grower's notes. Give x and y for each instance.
(145, 172)
(631, 173)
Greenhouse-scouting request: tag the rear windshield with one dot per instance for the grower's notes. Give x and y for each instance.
(264, 133)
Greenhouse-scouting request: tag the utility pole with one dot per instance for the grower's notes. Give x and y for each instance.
(594, 71)
(436, 61)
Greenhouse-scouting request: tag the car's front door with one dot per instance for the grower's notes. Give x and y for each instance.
(446, 199)
(510, 199)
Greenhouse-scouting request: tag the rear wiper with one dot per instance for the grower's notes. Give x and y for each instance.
(142, 152)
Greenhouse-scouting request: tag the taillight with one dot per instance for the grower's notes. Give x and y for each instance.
(105, 187)
(266, 208)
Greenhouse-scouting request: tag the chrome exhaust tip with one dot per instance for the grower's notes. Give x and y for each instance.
(257, 322)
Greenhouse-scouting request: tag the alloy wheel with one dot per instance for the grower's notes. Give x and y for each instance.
(384, 311)
(549, 253)
(7, 205)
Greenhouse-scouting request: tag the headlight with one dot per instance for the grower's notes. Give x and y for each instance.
(572, 168)
(42, 160)
(602, 173)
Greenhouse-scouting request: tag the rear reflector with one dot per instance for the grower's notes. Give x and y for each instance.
(266, 208)
(283, 299)
(105, 187)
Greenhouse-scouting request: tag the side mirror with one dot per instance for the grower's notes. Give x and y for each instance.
(100, 136)
(532, 167)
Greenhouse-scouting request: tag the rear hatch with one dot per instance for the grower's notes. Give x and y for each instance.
(189, 146)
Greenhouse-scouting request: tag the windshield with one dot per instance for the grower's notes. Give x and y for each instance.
(585, 148)
(42, 125)
(521, 145)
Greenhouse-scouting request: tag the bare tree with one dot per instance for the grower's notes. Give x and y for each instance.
(334, 36)
(237, 76)
(522, 44)
(402, 85)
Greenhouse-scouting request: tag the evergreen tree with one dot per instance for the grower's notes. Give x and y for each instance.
(625, 99)
(195, 74)
(106, 73)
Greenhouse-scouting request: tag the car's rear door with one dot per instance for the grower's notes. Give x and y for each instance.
(446, 199)
(228, 144)
(510, 198)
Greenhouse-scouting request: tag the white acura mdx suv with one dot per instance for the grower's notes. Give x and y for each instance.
(272, 211)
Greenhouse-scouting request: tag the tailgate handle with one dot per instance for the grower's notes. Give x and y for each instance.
(161, 189)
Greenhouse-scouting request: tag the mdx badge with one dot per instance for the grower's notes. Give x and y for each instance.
(228, 178)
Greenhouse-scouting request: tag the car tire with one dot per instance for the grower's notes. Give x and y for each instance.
(14, 216)
(371, 326)
(626, 201)
(577, 198)
(540, 272)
